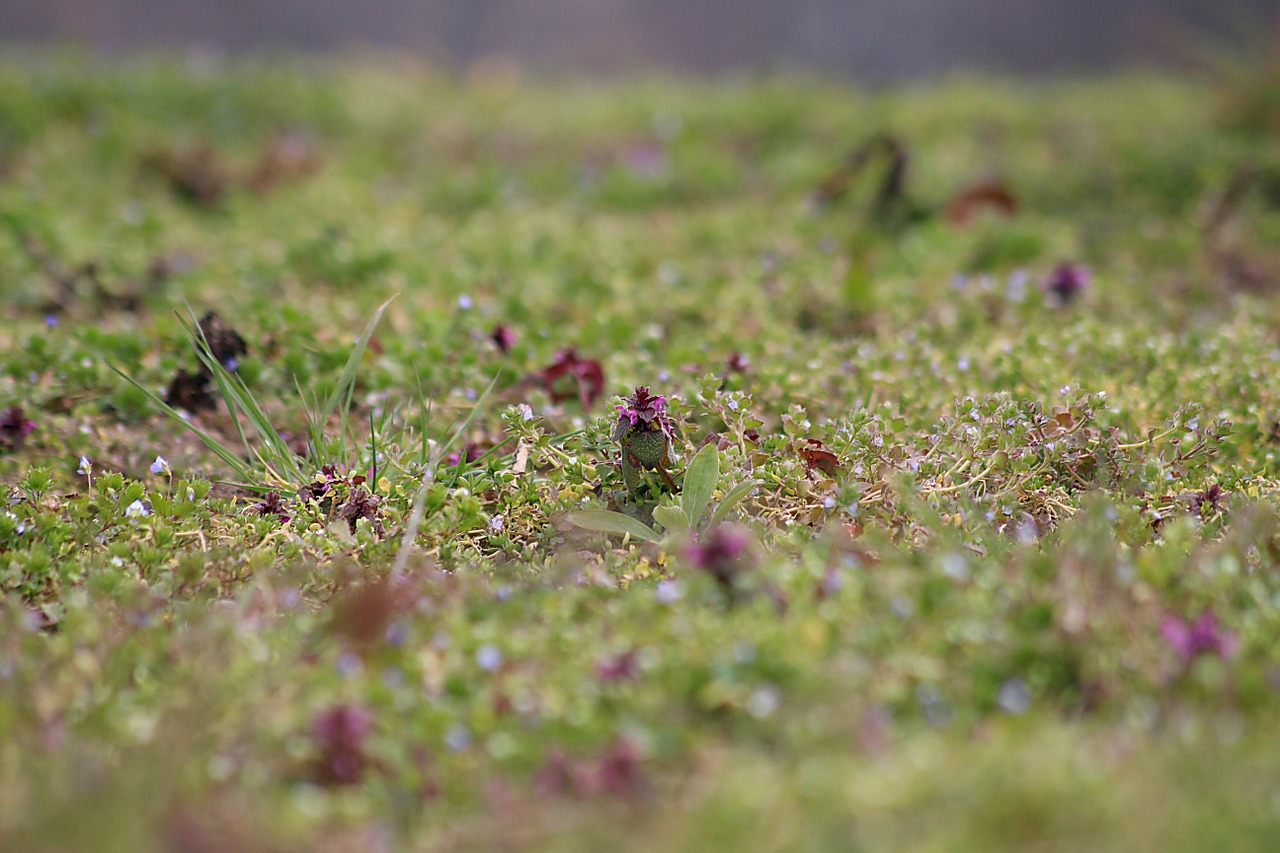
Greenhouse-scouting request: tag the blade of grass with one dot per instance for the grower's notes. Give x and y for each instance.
(240, 399)
(242, 469)
(420, 499)
(345, 387)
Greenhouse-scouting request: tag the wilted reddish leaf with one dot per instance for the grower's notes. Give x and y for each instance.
(287, 158)
(815, 456)
(363, 615)
(225, 343)
(196, 174)
(190, 391)
(988, 195)
(586, 373)
(893, 186)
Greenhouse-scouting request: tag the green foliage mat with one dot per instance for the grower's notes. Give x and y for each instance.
(979, 551)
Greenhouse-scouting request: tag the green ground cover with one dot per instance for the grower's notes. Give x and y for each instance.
(970, 414)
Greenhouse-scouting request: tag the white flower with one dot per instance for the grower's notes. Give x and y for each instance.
(137, 509)
(160, 466)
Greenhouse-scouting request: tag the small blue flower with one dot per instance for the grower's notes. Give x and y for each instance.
(160, 466)
(457, 738)
(464, 302)
(488, 657)
(85, 466)
(137, 509)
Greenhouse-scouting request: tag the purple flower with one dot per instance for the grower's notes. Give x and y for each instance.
(471, 453)
(1204, 636)
(723, 553)
(14, 428)
(271, 504)
(621, 667)
(644, 411)
(1067, 281)
(339, 733)
(362, 504)
(503, 338)
(646, 161)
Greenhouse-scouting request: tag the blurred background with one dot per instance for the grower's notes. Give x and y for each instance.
(871, 39)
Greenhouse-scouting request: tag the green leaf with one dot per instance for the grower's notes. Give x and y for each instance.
(672, 518)
(699, 482)
(732, 499)
(606, 521)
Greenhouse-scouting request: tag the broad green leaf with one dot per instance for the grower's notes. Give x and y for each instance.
(699, 483)
(607, 521)
(732, 499)
(672, 518)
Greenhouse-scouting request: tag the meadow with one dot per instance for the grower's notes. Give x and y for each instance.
(401, 459)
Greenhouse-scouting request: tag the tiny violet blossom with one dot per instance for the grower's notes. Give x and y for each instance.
(668, 591)
(86, 467)
(1204, 636)
(160, 467)
(137, 509)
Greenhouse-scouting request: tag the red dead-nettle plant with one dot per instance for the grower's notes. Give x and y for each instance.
(645, 435)
(644, 432)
